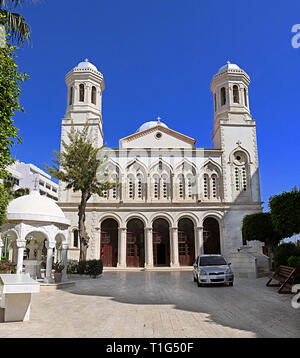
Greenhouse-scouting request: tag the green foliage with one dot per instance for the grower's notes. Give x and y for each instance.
(3, 205)
(10, 80)
(94, 268)
(259, 226)
(7, 266)
(283, 252)
(83, 168)
(80, 165)
(58, 266)
(90, 267)
(72, 266)
(294, 261)
(13, 194)
(14, 23)
(81, 268)
(285, 213)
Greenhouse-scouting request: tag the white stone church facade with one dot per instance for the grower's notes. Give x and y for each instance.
(174, 200)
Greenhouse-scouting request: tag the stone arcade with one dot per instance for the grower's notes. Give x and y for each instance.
(174, 200)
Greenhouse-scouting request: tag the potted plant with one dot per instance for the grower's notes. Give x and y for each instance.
(58, 267)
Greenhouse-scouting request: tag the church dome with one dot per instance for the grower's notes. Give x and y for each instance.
(86, 65)
(35, 207)
(151, 124)
(229, 66)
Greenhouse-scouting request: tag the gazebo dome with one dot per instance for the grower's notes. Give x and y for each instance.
(35, 207)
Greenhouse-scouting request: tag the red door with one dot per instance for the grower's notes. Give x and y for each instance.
(109, 248)
(184, 249)
(133, 253)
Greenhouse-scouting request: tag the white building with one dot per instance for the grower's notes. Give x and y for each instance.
(174, 200)
(26, 175)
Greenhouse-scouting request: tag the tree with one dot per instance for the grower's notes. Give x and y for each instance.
(10, 80)
(11, 193)
(3, 205)
(259, 227)
(83, 168)
(14, 23)
(285, 212)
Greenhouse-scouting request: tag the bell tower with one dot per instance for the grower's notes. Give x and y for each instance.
(235, 134)
(84, 105)
(84, 100)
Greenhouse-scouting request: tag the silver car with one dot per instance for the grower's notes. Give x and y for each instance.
(212, 269)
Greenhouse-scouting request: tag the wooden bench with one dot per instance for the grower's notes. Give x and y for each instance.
(285, 275)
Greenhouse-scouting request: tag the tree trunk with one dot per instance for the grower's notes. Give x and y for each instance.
(84, 238)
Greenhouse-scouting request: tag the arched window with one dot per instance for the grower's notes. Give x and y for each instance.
(75, 238)
(223, 96)
(214, 186)
(71, 96)
(93, 95)
(205, 186)
(236, 98)
(139, 187)
(181, 187)
(245, 97)
(130, 188)
(156, 187)
(81, 92)
(189, 187)
(164, 188)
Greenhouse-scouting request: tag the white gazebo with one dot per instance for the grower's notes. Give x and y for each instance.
(35, 227)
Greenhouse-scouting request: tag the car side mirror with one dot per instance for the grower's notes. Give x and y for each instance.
(195, 265)
(229, 263)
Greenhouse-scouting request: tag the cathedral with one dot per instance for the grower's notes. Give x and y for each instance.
(173, 200)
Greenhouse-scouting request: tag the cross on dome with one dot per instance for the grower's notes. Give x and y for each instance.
(158, 119)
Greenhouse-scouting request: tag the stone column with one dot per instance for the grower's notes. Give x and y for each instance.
(122, 247)
(20, 247)
(148, 247)
(199, 250)
(174, 247)
(50, 247)
(64, 256)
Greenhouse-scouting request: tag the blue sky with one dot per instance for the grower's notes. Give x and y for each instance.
(158, 58)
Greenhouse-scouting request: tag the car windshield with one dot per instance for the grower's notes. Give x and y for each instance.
(212, 261)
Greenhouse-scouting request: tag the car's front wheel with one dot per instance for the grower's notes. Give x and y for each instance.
(230, 283)
(198, 282)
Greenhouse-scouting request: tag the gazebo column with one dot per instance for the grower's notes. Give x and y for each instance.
(64, 257)
(50, 247)
(148, 247)
(174, 246)
(20, 247)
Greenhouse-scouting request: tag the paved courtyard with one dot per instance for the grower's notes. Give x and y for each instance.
(158, 304)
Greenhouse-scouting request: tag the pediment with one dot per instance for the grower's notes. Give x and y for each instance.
(157, 137)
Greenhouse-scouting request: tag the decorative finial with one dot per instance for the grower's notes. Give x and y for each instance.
(238, 142)
(158, 119)
(86, 60)
(228, 62)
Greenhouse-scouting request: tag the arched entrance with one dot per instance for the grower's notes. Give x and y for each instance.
(161, 243)
(186, 242)
(109, 243)
(211, 236)
(135, 250)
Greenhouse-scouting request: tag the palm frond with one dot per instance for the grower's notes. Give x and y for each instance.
(11, 4)
(16, 25)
